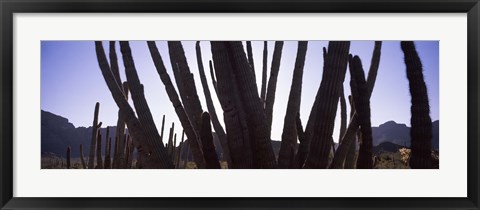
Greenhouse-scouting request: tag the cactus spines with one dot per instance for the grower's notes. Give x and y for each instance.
(145, 143)
(69, 152)
(211, 108)
(362, 105)
(349, 136)
(211, 158)
(263, 91)
(99, 151)
(335, 66)
(421, 131)
(82, 159)
(289, 135)
(182, 115)
(93, 142)
(272, 83)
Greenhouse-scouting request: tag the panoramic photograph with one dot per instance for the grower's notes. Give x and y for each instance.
(258, 104)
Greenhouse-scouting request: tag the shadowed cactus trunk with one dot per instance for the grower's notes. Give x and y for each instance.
(146, 144)
(211, 158)
(108, 150)
(421, 131)
(69, 154)
(343, 115)
(351, 152)
(250, 57)
(93, 142)
(361, 99)
(177, 105)
(263, 91)
(82, 159)
(212, 75)
(99, 151)
(335, 66)
(289, 135)
(211, 108)
(119, 155)
(259, 134)
(349, 136)
(170, 139)
(163, 127)
(233, 111)
(185, 83)
(272, 83)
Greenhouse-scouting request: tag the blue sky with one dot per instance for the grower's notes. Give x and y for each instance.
(71, 81)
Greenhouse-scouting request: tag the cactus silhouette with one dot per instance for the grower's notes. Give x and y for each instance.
(99, 151)
(343, 115)
(349, 136)
(148, 146)
(211, 108)
(108, 150)
(360, 94)
(69, 152)
(82, 159)
(351, 152)
(211, 158)
(118, 154)
(179, 109)
(289, 135)
(421, 131)
(272, 83)
(335, 66)
(93, 142)
(250, 57)
(263, 91)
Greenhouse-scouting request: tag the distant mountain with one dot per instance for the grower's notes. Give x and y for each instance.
(57, 134)
(400, 134)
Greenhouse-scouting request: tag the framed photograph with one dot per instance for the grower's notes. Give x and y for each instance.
(239, 105)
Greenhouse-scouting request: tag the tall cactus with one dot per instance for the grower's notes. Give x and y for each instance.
(421, 131)
(163, 127)
(144, 142)
(118, 154)
(263, 91)
(351, 152)
(349, 136)
(272, 83)
(136, 88)
(82, 159)
(250, 57)
(335, 66)
(108, 150)
(343, 115)
(361, 99)
(170, 139)
(257, 121)
(69, 154)
(234, 114)
(211, 158)
(93, 142)
(179, 109)
(185, 83)
(211, 108)
(289, 135)
(99, 151)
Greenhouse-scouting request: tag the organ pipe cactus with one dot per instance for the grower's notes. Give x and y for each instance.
(144, 142)
(343, 115)
(211, 158)
(335, 66)
(185, 83)
(119, 155)
(349, 136)
(163, 127)
(421, 131)
(362, 104)
(234, 114)
(108, 150)
(138, 97)
(211, 108)
(93, 142)
(263, 91)
(99, 151)
(179, 109)
(212, 75)
(257, 125)
(250, 57)
(272, 83)
(289, 135)
(351, 152)
(82, 159)
(69, 153)
(170, 139)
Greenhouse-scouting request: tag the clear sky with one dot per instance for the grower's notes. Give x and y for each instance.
(71, 81)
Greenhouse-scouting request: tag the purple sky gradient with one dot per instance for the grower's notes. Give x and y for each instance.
(71, 81)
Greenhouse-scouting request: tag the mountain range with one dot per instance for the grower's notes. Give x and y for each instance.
(57, 133)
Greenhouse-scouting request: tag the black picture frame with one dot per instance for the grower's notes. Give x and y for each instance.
(10, 7)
